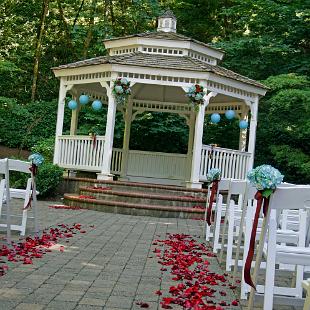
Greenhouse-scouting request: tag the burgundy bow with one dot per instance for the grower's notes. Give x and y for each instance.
(261, 202)
(215, 185)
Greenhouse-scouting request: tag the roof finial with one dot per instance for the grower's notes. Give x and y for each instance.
(167, 22)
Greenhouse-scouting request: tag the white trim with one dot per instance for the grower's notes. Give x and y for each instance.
(86, 69)
(206, 50)
(237, 84)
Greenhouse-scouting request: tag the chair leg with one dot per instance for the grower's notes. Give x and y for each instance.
(239, 243)
(216, 244)
(230, 236)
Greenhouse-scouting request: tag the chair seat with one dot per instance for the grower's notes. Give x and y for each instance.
(292, 255)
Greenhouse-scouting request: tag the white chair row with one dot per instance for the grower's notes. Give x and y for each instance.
(291, 230)
(29, 195)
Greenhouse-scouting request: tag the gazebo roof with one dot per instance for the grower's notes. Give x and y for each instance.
(164, 35)
(164, 62)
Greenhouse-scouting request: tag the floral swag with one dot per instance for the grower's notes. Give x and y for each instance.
(121, 90)
(195, 94)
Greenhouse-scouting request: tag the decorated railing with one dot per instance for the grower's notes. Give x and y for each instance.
(233, 164)
(157, 165)
(80, 152)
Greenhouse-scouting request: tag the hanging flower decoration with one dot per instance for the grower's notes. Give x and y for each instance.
(121, 90)
(213, 176)
(266, 179)
(36, 160)
(195, 94)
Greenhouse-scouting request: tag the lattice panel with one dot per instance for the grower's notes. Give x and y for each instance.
(223, 107)
(157, 106)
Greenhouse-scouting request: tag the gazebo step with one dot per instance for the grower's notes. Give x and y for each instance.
(72, 184)
(130, 208)
(143, 197)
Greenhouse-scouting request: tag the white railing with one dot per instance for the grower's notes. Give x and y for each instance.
(157, 165)
(80, 152)
(116, 161)
(233, 164)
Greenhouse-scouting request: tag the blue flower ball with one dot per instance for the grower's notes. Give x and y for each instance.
(215, 118)
(118, 89)
(97, 105)
(243, 124)
(72, 105)
(84, 99)
(230, 114)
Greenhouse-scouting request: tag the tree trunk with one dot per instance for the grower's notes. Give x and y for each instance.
(90, 29)
(78, 14)
(38, 49)
(66, 28)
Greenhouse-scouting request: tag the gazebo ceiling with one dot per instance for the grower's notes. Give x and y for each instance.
(153, 92)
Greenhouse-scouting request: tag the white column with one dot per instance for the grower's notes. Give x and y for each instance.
(252, 134)
(128, 121)
(191, 125)
(60, 117)
(197, 146)
(109, 136)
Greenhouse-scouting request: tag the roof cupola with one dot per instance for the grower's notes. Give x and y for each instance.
(167, 22)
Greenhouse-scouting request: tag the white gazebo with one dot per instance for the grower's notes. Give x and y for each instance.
(161, 66)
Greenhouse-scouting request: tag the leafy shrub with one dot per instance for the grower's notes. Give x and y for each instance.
(45, 147)
(48, 179)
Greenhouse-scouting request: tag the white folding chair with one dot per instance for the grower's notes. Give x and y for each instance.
(28, 194)
(237, 188)
(223, 186)
(284, 198)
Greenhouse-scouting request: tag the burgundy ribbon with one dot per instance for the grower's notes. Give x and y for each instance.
(34, 170)
(261, 202)
(94, 136)
(215, 185)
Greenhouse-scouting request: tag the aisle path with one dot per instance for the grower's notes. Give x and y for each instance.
(112, 266)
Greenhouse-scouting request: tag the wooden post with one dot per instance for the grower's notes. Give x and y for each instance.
(74, 118)
(243, 132)
(109, 136)
(252, 135)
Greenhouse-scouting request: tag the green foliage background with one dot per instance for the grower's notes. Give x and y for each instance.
(267, 40)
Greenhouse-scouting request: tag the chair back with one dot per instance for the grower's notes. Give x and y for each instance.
(19, 165)
(224, 184)
(296, 197)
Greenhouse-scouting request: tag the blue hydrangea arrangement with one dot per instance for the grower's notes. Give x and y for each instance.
(36, 159)
(121, 90)
(214, 175)
(195, 94)
(265, 178)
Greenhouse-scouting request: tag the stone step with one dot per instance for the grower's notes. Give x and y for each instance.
(130, 208)
(143, 197)
(72, 184)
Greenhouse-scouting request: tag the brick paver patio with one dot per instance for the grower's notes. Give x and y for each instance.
(112, 266)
